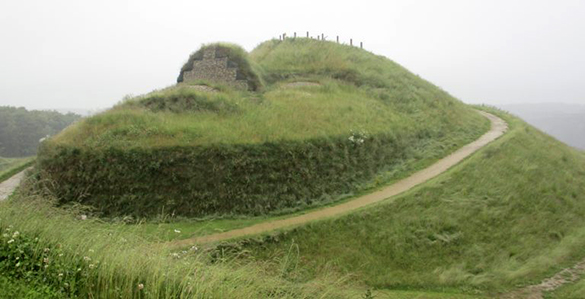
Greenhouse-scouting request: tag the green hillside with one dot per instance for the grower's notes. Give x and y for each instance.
(510, 215)
(361, 122)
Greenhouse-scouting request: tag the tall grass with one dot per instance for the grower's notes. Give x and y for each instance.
(509, 215)
(85, 258)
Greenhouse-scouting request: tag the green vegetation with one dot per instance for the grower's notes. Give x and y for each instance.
(185, 152)
(237, 57)
(569, 291)
(90, 258)
(510, 215)
(13, 288)
(12, 166)
(21, 130)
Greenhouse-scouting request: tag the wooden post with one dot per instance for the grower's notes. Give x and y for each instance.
(322, 36)
(351, 42)
(307, 34)
(283, 36)
(295, 35)
(317, 37)
(338, 39)
(361, 45)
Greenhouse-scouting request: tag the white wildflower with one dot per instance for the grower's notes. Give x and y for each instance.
(10, 241)
(16, 233)
(83, 217)
(86, 258)
(140, 286)
(177, 231)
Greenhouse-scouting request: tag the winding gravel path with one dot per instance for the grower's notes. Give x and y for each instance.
(498, 128)
(8, 186)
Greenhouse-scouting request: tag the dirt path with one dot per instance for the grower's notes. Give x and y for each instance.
(498, 128)
(8, 186)
(537, 291)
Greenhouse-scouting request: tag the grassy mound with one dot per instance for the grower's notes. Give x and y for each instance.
(511, 214)
(184, 151)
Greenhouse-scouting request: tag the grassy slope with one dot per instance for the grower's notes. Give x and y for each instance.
(360, 92)
(11, 166)
(93, 259)
(509, 215)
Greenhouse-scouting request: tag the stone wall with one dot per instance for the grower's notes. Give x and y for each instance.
(214, 69)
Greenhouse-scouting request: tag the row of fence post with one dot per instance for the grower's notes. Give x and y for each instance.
(321, 37)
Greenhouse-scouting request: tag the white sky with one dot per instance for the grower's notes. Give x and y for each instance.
(89, 54)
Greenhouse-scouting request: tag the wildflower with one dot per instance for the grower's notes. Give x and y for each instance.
(140, 286)
(60, 275)
(177, 231)
(46, 260)
(18, 264)
(83, 217)
(91, 266)
(194, 248)
(60, 254)
(17, 258)
(46, 250)
(91, 250)
(86, 258)
(5, 235)
(46, 266)
(10, 241)
(66, 284)
(16, 233)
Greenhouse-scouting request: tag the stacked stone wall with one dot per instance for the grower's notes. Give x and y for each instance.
(214, 69)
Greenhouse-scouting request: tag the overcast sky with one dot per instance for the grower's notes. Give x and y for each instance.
(89, 54)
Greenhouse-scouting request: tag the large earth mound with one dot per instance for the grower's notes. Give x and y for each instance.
(271, 147)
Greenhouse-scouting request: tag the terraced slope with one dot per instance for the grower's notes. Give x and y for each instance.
(190, 152)
(498, 128)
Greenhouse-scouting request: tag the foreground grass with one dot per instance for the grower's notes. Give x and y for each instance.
(511, 214)
(12, 166)
(52, 248)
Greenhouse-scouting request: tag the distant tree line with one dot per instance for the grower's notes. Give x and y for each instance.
(21, 130)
